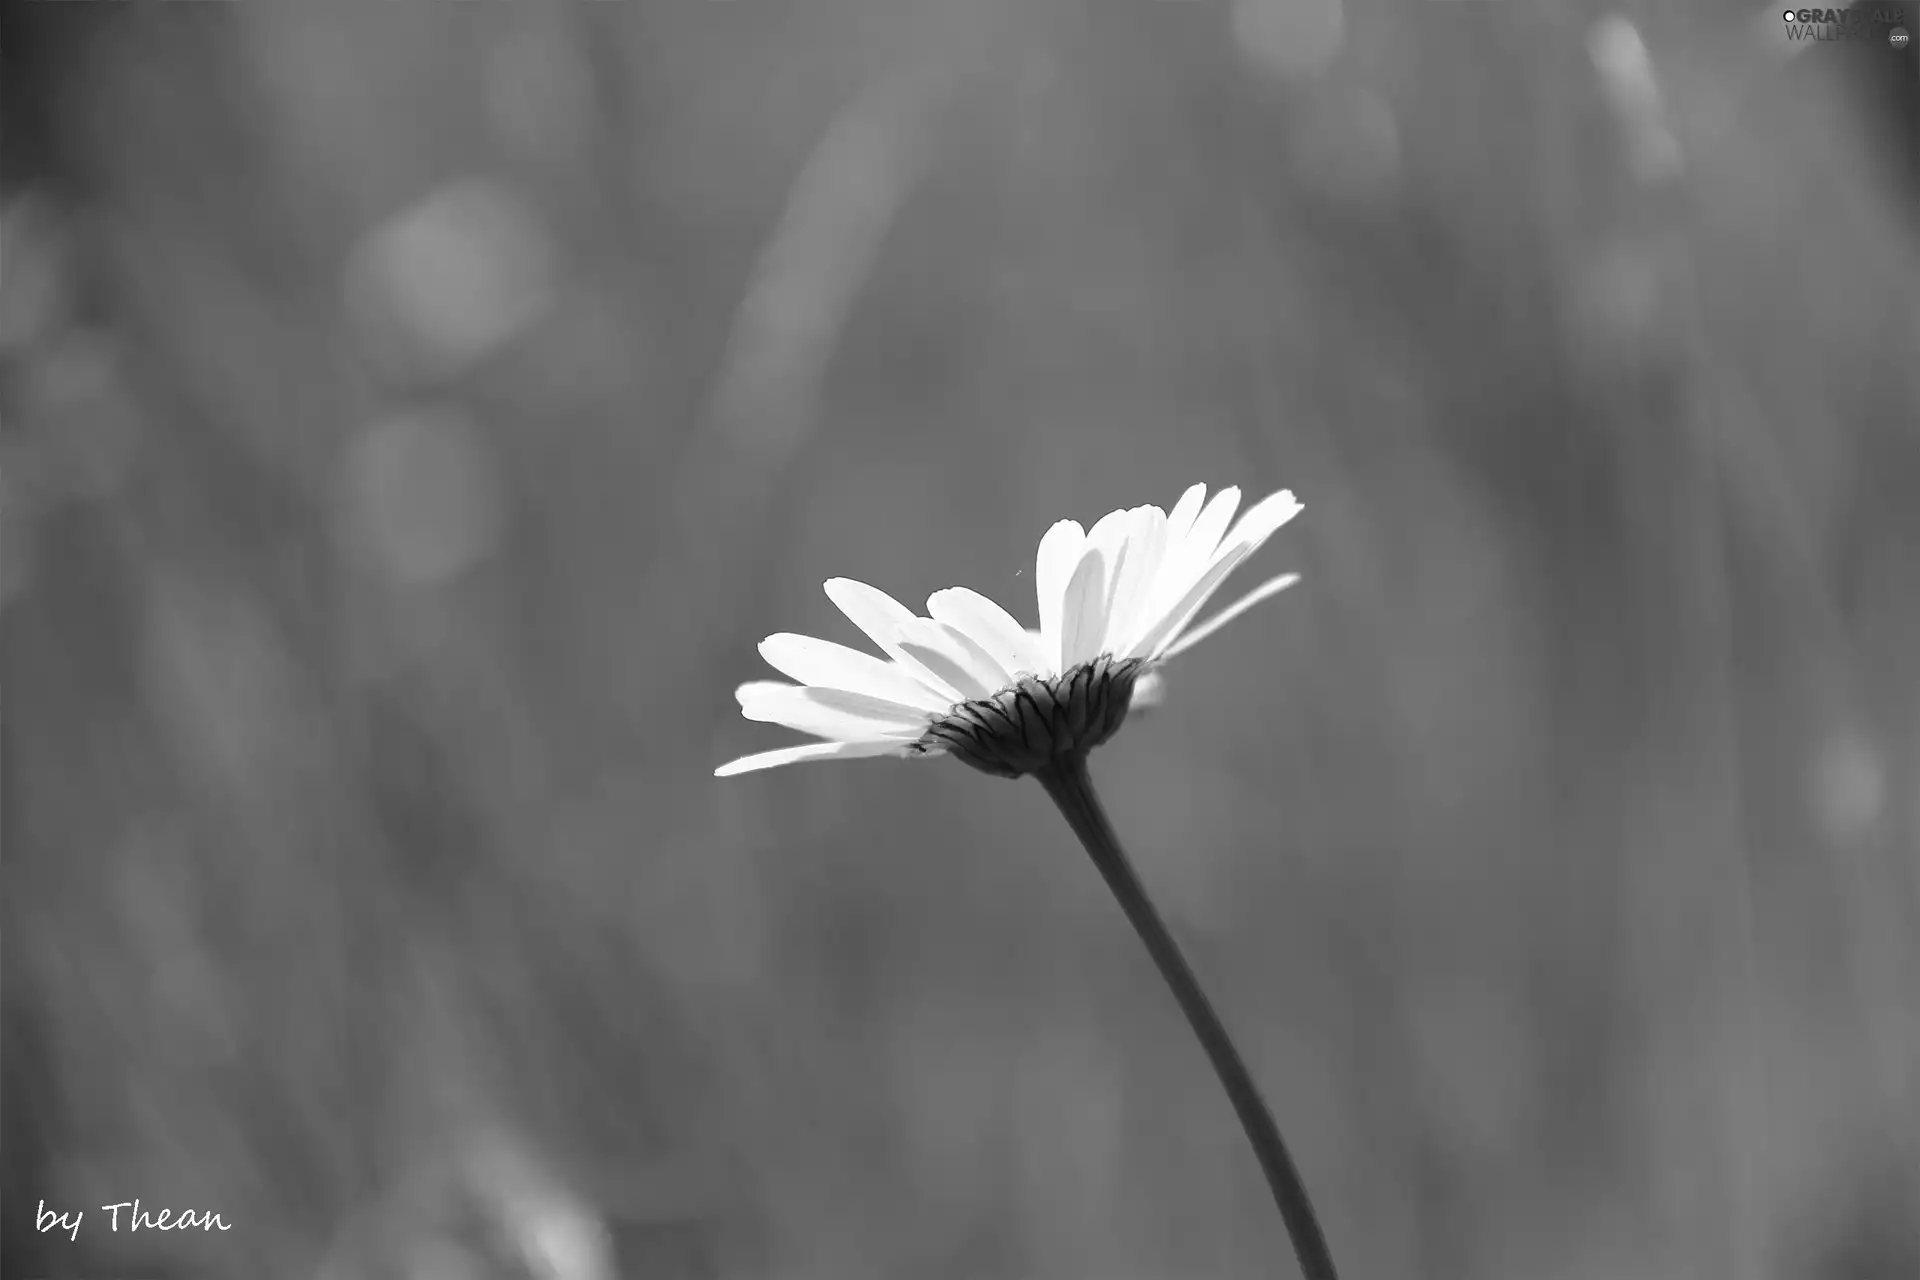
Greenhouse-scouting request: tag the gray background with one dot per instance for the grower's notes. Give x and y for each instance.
(415, 414)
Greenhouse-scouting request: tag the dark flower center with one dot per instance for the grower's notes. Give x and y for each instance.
(1035, 722)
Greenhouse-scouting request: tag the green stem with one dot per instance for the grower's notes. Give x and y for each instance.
(1071, 787)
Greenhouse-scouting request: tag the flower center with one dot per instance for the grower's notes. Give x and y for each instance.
(1034, 722)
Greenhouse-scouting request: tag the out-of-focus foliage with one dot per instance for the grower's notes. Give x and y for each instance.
(415, 413)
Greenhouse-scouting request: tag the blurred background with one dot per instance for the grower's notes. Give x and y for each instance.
(416, 412)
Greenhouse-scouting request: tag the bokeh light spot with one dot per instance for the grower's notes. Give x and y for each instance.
(449, 280)
(1849, 787)
(420, 499)
(1290, 39)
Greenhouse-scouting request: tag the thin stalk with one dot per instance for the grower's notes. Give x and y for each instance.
(1071, 787)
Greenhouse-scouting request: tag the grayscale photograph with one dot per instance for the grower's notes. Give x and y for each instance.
(959, 640)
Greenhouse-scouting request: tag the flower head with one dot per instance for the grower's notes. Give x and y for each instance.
(969, 680)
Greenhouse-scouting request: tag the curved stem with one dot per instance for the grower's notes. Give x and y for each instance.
(1071, 788)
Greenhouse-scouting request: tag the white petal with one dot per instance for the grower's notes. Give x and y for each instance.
(991, 671)
(1084, 611)
(809, 751)
(1058, 557)
(940, 650)
(1146, 544)
(833, 713)
(1108, 536)
(996, 630)
(1185, 561)
(866, 706)
(1149, 691)
(880, 615)
(1259, 521)
(753, 689)
(1108, 532)
(1202, 540)
(1174, 620)
(1180, 521)
(1271, 587)
(834, 666)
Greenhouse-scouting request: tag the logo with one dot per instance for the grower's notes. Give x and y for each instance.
(1862, 23)
(1883, 14)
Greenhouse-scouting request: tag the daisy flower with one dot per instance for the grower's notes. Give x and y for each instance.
(969, 680)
